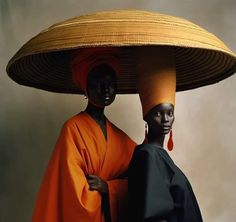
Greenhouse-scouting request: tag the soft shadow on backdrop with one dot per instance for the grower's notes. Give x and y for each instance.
(30, 119)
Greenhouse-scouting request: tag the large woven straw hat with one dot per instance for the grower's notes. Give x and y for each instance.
(44, 61)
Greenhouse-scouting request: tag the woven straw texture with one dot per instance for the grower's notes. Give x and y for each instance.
(44, 61)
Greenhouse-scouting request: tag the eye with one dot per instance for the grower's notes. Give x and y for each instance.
(92, 83)
(171, 113)
(158, 114)
(112, 84)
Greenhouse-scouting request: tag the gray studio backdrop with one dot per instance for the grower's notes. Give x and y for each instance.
(30, 119)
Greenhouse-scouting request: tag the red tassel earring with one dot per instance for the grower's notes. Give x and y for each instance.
(170, 144)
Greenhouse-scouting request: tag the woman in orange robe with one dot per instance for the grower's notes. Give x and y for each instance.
(84, 181)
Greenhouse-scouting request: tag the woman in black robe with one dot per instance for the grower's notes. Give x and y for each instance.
(158, 189)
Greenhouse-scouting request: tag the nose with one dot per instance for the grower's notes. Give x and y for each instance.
(165, 118)
(105, 88)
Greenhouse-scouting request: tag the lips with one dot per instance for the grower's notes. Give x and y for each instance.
(107, 97)
(165, 129)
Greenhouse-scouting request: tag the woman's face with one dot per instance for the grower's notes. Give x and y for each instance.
(101, 88)
(160, 119)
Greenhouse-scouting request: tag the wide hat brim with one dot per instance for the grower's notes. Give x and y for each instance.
(44, 61)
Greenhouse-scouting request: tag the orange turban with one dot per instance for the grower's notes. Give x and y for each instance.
(156, 76)
(84, 60)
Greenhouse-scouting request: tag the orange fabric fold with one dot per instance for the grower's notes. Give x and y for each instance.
(118, 193)
(82, 149)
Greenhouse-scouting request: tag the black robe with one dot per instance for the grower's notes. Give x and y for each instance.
(158, 189)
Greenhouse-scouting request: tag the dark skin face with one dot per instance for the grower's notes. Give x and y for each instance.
(101, 89)
(160, 120)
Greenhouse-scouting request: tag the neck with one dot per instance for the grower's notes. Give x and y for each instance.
(159, 141)
(95, 112)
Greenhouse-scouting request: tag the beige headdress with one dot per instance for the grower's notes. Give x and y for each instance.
(156, 76)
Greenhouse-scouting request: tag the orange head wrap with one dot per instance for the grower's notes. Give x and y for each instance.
(84, 60)
(156, 76)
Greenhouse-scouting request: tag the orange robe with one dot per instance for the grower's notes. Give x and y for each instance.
(82, 149)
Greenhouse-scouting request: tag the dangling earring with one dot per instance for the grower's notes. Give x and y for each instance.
(145, 141)
(170, 143)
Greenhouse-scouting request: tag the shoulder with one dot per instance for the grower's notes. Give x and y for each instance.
(74, 120)
(147, 159)
(148, 153)
(145, 148)
(144, 160)
(73, 124)
(144, 151)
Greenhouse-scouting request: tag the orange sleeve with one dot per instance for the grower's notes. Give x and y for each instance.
(64, 194)
(118, 188)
